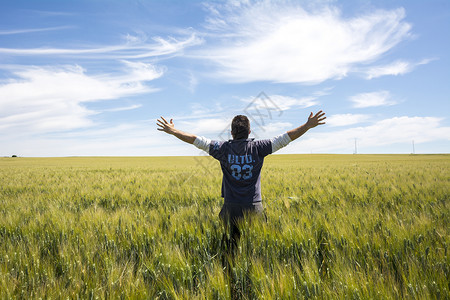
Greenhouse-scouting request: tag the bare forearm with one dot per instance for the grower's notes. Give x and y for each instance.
(184, 136)
(298, 132)
(169, 127)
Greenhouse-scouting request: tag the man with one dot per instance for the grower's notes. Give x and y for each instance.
(241, 160)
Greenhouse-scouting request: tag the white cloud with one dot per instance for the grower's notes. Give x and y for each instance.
(46, 99)
(363, 100)
(271, 129)
(199, 111)
(139, 71)
(32, 30)
(134, 47)
(278, 102)
(207, 126)
(193, 82)
(345, 119)
(283, 42)
(384, 133)
(131, 107)
(398, 67)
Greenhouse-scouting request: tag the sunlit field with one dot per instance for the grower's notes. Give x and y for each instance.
(338, 226)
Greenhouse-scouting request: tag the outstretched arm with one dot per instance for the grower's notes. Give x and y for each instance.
(169, 128)
(313, 121)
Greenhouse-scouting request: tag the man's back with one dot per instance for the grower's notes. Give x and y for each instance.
(241, 162)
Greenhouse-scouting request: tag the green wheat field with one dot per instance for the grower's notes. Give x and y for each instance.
(338, 227)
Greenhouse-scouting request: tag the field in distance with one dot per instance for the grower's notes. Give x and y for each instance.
(338, 226)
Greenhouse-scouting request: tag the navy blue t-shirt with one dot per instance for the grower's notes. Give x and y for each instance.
(241, 162)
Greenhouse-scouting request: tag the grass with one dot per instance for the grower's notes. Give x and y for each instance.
(338, 226)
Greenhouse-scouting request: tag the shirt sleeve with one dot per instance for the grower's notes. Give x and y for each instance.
(202, 143)
(218, 150)
(280, 141)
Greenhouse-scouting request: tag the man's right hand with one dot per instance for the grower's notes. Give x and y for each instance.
(166, 126)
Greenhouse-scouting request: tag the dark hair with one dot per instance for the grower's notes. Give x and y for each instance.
(240, 127)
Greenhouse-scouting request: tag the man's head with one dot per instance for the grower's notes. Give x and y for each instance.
(240, 127)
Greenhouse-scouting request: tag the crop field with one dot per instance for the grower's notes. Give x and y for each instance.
(337, 226)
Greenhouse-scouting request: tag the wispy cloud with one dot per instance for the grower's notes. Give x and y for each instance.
(193, 82)
(199, 111)
(206, 126)
(381, 98)
(47, 13)
(284, 42)
(271, 129)
(279, 102)
(398, 67)
(33, 30)
(127, 50)
(131, 107)
(346, 119)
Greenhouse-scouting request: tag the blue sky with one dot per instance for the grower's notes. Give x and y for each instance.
(81, 78)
